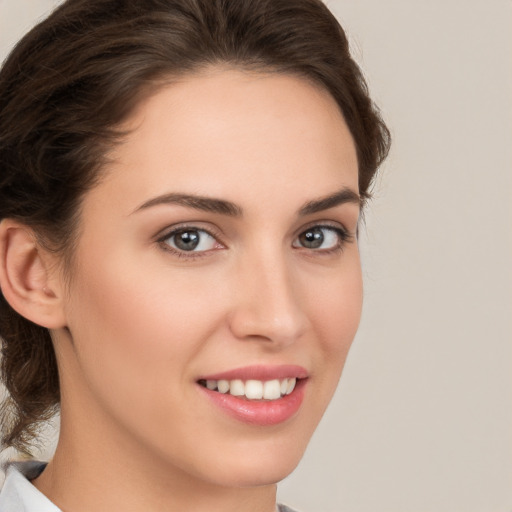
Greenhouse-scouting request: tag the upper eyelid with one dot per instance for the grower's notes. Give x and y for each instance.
(344, 234)
(176, 228)
(328, 224)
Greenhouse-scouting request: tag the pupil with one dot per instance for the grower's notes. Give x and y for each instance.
(187, 240)
(312, 239)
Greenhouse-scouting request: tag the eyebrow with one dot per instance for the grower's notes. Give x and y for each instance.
(223, 207)
(206, 204)
(345, 195)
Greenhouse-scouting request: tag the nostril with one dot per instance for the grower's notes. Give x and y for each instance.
(261, 323)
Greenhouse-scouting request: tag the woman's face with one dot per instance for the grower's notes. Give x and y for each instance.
(218, 251)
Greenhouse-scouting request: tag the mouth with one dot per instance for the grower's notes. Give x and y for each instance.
(252, 389)
(257, 395)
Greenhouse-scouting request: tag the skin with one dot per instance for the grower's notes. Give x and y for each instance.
(141, 324)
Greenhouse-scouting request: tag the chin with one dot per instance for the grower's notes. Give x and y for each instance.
(260, 466)
(257, 475)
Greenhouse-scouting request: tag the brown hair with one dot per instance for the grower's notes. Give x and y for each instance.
(74, 77)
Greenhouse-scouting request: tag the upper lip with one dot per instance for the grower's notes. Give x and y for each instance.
(260, 372)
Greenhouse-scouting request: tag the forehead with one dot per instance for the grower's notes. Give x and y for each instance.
(226, 132)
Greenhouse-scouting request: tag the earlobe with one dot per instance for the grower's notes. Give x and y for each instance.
(25, 276)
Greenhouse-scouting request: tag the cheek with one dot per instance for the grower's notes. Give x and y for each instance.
(335, 314)
(137, 335)
(338, 304)
(131, 320)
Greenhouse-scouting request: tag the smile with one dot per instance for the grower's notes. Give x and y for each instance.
(252, 389)
(257, 395)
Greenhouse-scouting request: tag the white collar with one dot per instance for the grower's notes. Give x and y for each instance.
(19, 495)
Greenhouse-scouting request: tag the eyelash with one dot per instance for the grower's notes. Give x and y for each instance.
(190, 255)
(344, 237)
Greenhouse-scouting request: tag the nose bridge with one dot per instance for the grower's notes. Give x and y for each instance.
(268, 305)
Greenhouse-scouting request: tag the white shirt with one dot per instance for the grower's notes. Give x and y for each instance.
(19, 495)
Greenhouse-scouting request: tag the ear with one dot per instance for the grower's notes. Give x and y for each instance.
(28, 276)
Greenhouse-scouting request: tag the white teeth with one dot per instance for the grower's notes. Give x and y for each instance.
(237, 388)
(223, 386)
(272, 390)
(253, 389)
(291, 386)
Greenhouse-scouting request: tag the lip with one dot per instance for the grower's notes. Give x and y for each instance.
(256, 412)
(260, 372)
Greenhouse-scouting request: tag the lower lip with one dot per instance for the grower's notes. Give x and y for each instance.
(262, 413)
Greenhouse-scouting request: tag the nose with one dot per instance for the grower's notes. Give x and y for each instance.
(268, 305)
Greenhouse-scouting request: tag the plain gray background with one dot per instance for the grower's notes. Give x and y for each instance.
(422, 421)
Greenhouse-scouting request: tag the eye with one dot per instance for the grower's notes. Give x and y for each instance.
(190, 240)
(321, 237)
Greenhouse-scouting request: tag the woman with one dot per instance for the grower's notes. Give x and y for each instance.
(181, 185)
